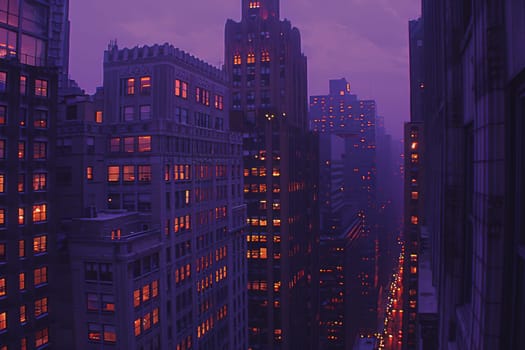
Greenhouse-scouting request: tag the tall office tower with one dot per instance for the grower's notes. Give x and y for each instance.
(166, 153)
(29, 74)
(341, 113)
(473, 108)
(269, 106)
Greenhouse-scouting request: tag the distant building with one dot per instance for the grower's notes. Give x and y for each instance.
(33, 58)
(156, 141)
(268, 74)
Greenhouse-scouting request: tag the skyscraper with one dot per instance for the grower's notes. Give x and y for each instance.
(269, 106)
(33, 58)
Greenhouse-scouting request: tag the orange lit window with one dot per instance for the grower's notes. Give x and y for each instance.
(21, 216)
(144, 143)
(41, 337)
(155, 315)
(181, 88)
(21, 281)
(21, 248)
(2, 216)
(113, 173)
(415, 195)
(145, 85)
(128, 173)
(136, 297)
(40, 307)
(39, 181)
(413, 270)
(40, 244)
(40, 275)
(255, 4)
(3, 321)
(237, 60)
(40, 119)
(145, 293)
(41, 87)
(414, 220)
(154, 289)
(23, 316)
(21, 149)
(94, 332)
(130, 86)
(276, 172)
(136, 326)
(263, 253)
(2, 183)
(413, 146)
(99, 117)
(89, 173)
(146, 321)
(39, 212)
(251, 58)
(265, 56)
(3, 288)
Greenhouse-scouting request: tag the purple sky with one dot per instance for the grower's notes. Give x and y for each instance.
(364, 41)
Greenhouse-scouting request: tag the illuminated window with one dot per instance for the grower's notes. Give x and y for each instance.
(3, 288)
(21, 185)
(41, 87)
(108, 303)
(155, 315)
(2, 216)
(144, 172)
(414, 158)
(40, 244)
(255, 4)
(39, 182)
(136, 326)
(40, 119)
(21, 248)
(41, 337)
(415, 195)
(2, 183)
(144, 144)
(23, 315)
(40, 275)
(155, 289)
(251, 58)
(145, 85)
(89, 173)
(113, 173)
(21, 149)
(2, 252)
(94, 332)
(99, 117)
(237, 60)
(3, 115)
(2, 149)
(110, 334)
(129, 144)
(219, 102)
(181, 88)
(265, 56)
(3, 321)
(136, 297)
(414, 220)
(21, 216)
(128, 173)
(23, 85)
(39, 150)
(40, 307)
(413, 146)
(130, 86)
(146, 321)
(39, 212)
(145, 112)
(145, 293)
(22, 281)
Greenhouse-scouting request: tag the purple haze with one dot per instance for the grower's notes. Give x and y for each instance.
(365, 41)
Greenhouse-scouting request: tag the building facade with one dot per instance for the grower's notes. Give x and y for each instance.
(473, 107)
(33, 55)
(156, 141)
(269, 106)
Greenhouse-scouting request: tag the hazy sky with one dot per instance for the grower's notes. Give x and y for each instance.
(365, 41)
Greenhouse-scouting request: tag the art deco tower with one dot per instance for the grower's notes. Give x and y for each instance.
(269, 106)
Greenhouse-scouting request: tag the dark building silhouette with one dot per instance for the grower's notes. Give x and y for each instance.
(473, 110)
(155, 239)
(33, 58)
(269, 106)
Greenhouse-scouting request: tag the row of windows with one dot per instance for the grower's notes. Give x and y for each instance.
(39, 182)
(98, 333)
(39, 214)
(130, 144)
(39, 247)
(130, 173)
(41, 85)
(39, 278)
(143, 324)
(250, 58)
(39, 117)
(129, 86)
(39, 150)
(144, 294)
